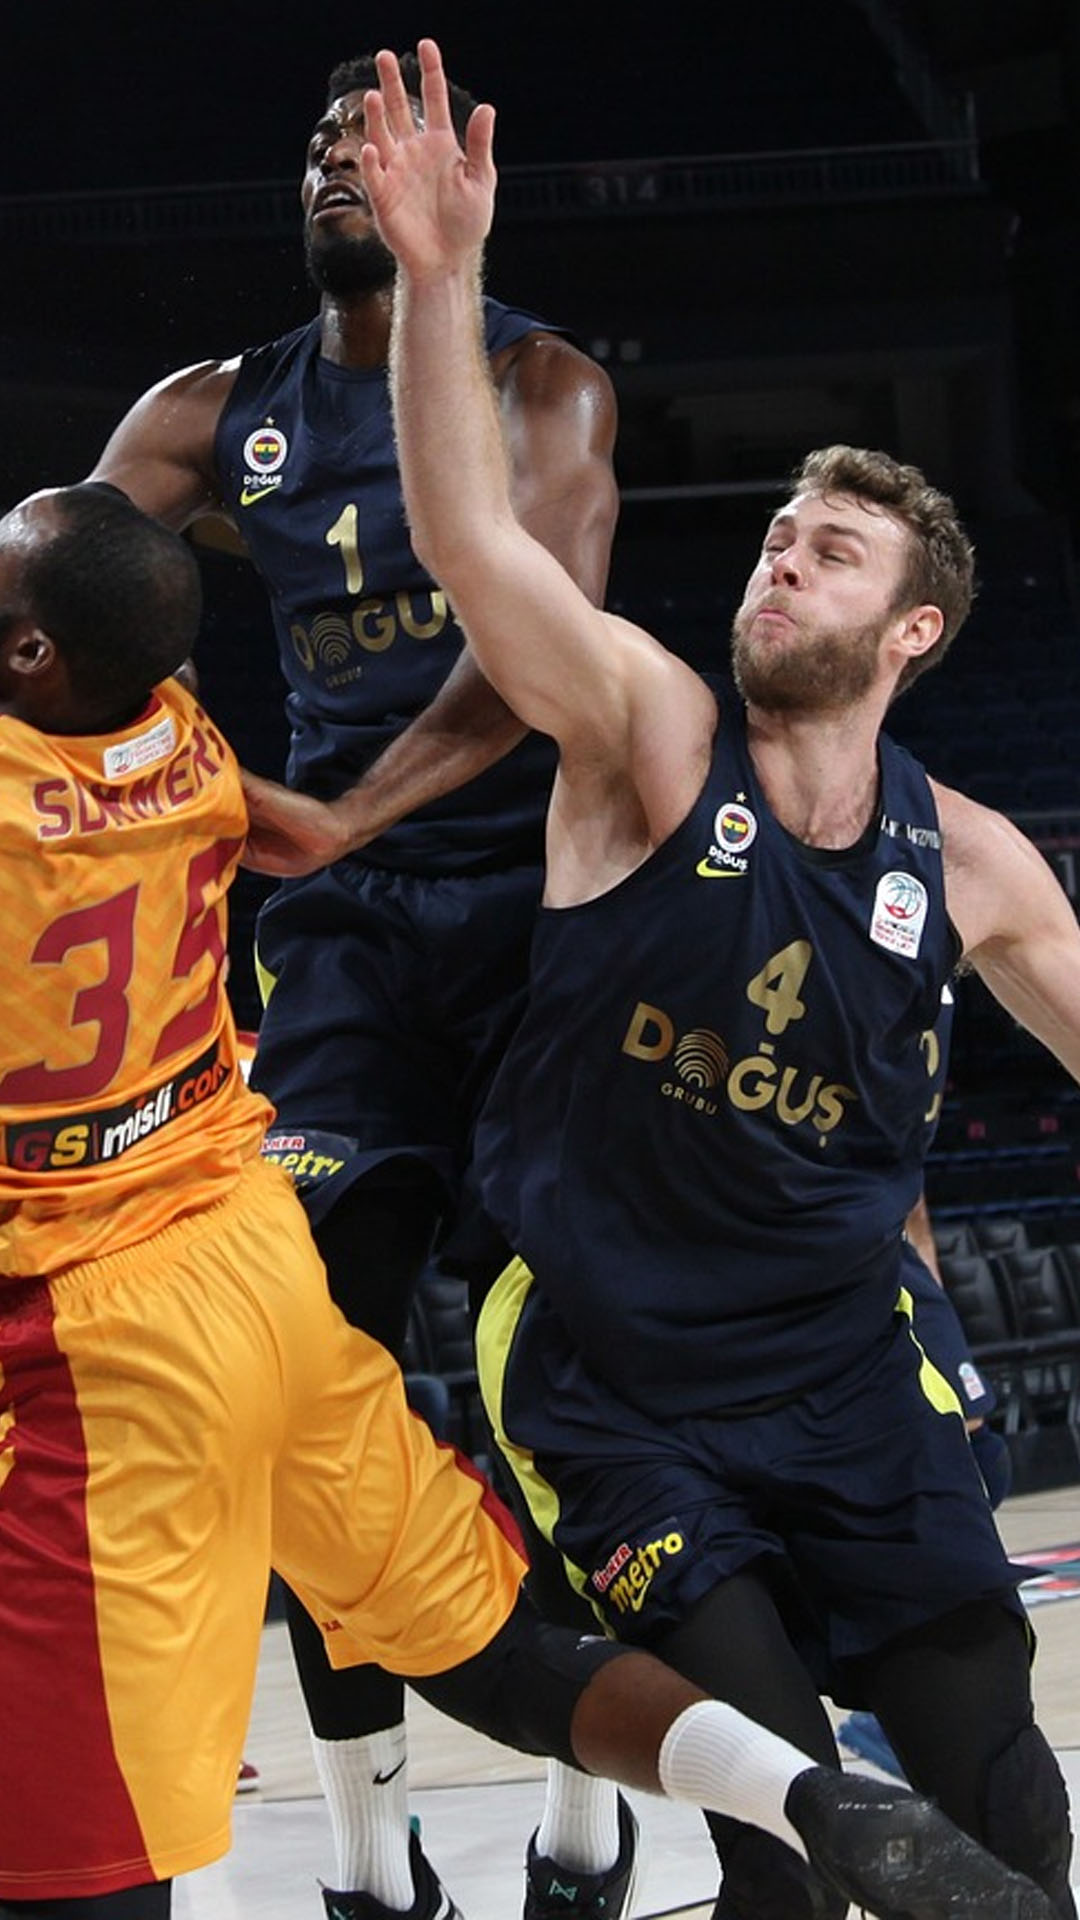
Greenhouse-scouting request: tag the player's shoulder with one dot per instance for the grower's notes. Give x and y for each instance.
(995, 877)
(203, 384)
(545, 373)
(973, 834)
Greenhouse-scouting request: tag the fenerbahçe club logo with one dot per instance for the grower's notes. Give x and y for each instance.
(265, 453)
(734, 831)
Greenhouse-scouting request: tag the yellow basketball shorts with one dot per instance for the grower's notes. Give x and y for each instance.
(176, 1418)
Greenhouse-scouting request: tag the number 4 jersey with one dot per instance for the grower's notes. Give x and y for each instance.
(709, 1129)
(121, 1101)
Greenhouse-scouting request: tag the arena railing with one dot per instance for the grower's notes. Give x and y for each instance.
(585, 190)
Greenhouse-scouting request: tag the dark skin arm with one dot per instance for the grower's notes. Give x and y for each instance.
(466, 728)
(162, 453)
(558, 414)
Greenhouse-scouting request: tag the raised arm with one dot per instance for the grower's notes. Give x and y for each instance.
(525, 619)
(602, 688)
(1019, 932)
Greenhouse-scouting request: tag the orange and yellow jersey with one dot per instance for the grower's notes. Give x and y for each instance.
(122, 1105)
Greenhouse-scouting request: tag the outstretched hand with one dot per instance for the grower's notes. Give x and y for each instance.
(290, 833)
(432, 203)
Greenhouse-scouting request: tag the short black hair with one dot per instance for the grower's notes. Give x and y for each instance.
(118, 594)
(360, 75)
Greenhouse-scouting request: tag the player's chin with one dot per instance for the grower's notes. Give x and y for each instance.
(345, 254)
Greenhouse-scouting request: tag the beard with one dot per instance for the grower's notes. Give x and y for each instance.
(340, 264)
(819, 672)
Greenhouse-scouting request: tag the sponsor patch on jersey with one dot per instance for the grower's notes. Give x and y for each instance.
(629, 1575)
(311, 1156)
(971, 1380)
(127, 756)
(56, 1145)
(734, 830)
(899, 916)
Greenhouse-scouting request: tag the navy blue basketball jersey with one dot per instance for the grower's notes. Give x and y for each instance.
(708, 1131)
(306, 465)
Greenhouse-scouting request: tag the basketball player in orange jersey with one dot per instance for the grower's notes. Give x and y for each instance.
(180, 1402)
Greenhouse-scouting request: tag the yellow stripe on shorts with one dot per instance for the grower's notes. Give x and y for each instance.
(935, 1388)
(495, 1329)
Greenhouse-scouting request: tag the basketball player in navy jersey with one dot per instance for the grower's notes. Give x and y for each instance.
(398, 973)
(709, 1128)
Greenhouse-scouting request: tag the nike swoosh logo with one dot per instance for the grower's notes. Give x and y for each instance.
(706, 872)
(381, 1779)
(252, 495)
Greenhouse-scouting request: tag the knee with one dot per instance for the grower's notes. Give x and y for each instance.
(764, 1880)
(1024, 1810)
(523, 1688)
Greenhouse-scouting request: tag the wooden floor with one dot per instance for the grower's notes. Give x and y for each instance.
(478, 1802)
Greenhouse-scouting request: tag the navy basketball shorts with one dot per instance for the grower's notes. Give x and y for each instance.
(389, 1000)
(859, 1502)
(940, 1332)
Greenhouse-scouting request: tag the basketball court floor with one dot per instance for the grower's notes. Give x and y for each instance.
(478, 1803)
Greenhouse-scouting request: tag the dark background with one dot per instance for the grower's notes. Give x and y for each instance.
(124, 94)
(773, 300)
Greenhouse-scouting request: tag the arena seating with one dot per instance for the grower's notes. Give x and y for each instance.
(1019, 1304)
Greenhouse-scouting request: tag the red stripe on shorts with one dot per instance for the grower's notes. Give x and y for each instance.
(492, 1503)
(67, 1823)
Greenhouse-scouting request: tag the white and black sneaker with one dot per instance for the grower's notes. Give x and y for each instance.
(895, 1855)
(553, 1893)
(432, 1901)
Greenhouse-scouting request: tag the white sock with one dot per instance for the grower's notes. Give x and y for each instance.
(367, 1794)
(715, 1757)
(580, 1827)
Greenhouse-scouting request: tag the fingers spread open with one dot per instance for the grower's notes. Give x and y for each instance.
(479, 138)
(395, 100)
(377, 132)
(434, 91)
